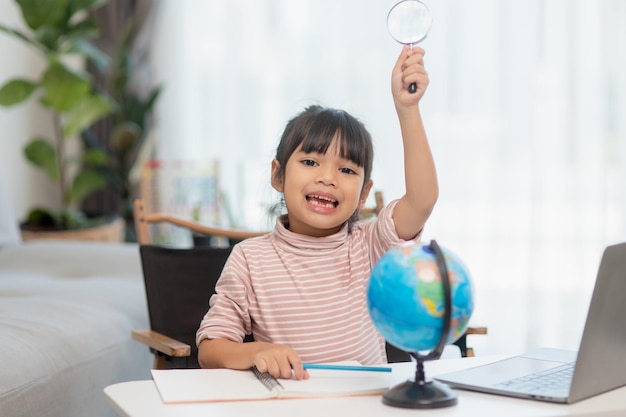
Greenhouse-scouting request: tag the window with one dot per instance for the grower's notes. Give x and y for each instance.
(525, 116)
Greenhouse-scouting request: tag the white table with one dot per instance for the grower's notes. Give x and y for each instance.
(141, 399)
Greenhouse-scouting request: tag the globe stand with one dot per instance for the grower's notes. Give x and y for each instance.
(421, 393)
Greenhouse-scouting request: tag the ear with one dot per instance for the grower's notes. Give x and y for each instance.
(277, 181)
(365, 192)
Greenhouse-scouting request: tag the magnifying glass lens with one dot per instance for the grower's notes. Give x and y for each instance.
(409, 21)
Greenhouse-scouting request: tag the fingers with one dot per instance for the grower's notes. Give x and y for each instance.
(413, 70)
(280, 362)
(410, 69)
(276, 368)
(295, 364)
(398, 67)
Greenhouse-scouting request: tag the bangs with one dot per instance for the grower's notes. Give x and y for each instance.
(354, 140)
(314, 130)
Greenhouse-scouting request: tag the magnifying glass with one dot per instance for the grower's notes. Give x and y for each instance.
(408, 22)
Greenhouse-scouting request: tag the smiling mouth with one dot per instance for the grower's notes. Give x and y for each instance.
(321, 201)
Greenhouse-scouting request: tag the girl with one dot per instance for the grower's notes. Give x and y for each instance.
(301, 290)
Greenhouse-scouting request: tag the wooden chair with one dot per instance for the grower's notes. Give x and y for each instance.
(179, 283)
(367, 212)
(143, 219)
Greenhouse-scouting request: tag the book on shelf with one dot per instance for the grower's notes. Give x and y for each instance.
(210, 385)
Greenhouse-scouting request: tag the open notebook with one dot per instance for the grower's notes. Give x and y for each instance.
(206, 385)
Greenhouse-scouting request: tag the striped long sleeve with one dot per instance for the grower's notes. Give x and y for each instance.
(305, 292)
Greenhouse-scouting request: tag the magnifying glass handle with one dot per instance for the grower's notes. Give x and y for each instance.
(413, 86)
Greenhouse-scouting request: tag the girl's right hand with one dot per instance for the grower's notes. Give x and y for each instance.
(280, 361)
(409, 69)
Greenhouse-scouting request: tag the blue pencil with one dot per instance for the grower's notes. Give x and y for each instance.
(345, 367)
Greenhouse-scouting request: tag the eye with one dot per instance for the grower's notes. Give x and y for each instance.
(347, 171)
(309, 162)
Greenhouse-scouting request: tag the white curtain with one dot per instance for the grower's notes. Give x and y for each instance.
(526, 115)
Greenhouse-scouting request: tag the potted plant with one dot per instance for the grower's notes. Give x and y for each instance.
(62, 32)
(127, 127)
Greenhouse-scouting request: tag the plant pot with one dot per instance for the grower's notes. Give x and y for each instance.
(112, 230)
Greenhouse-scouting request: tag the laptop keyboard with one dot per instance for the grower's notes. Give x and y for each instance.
(554, 381)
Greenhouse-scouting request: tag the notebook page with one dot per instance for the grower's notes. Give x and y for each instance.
(334, 383)
(203, 385)
(206, 385)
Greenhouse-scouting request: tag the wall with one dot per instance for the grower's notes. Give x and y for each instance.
(25, 186)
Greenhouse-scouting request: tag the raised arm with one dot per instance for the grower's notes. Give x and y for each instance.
(421, 186)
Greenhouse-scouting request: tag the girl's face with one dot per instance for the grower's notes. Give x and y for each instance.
(321, 191)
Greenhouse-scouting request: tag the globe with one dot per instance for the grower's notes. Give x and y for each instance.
(406, 298)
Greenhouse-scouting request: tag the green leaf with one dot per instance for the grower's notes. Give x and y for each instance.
(95, 157)
(42, 154)
(38, 13)
(79, 5)
(62, 39)
(76, 34)
(16, 91)
(71, 218)
(154, 95)
(85, 183)
(147, 105)
(19, 35)
(55, 13)
(98, 58)
(120, 62)
(63, 88)
(50, 37)
(43, 217)
(136, 110)
(85, 113)
(65, 218)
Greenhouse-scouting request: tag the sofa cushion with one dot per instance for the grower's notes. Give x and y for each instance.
(66, 313)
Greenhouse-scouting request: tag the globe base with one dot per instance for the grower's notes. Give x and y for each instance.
(412, 394)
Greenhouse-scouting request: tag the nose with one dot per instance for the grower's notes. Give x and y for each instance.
(327, 176)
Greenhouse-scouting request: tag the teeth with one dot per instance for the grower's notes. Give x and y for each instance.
(319, 197)
(321, 201)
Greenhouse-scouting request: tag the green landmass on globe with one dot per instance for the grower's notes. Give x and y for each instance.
(406, 298)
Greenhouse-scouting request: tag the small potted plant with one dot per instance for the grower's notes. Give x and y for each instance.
(62, 32)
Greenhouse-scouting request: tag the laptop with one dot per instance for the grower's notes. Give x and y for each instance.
(564, 376)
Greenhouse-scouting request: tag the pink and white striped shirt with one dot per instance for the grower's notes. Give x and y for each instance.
(305, 292)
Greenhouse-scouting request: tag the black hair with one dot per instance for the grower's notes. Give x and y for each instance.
(315, 128)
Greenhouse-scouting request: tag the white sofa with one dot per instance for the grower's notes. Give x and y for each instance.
(66, 313)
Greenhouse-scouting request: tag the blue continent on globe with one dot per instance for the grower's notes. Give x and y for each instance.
(406, 297)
